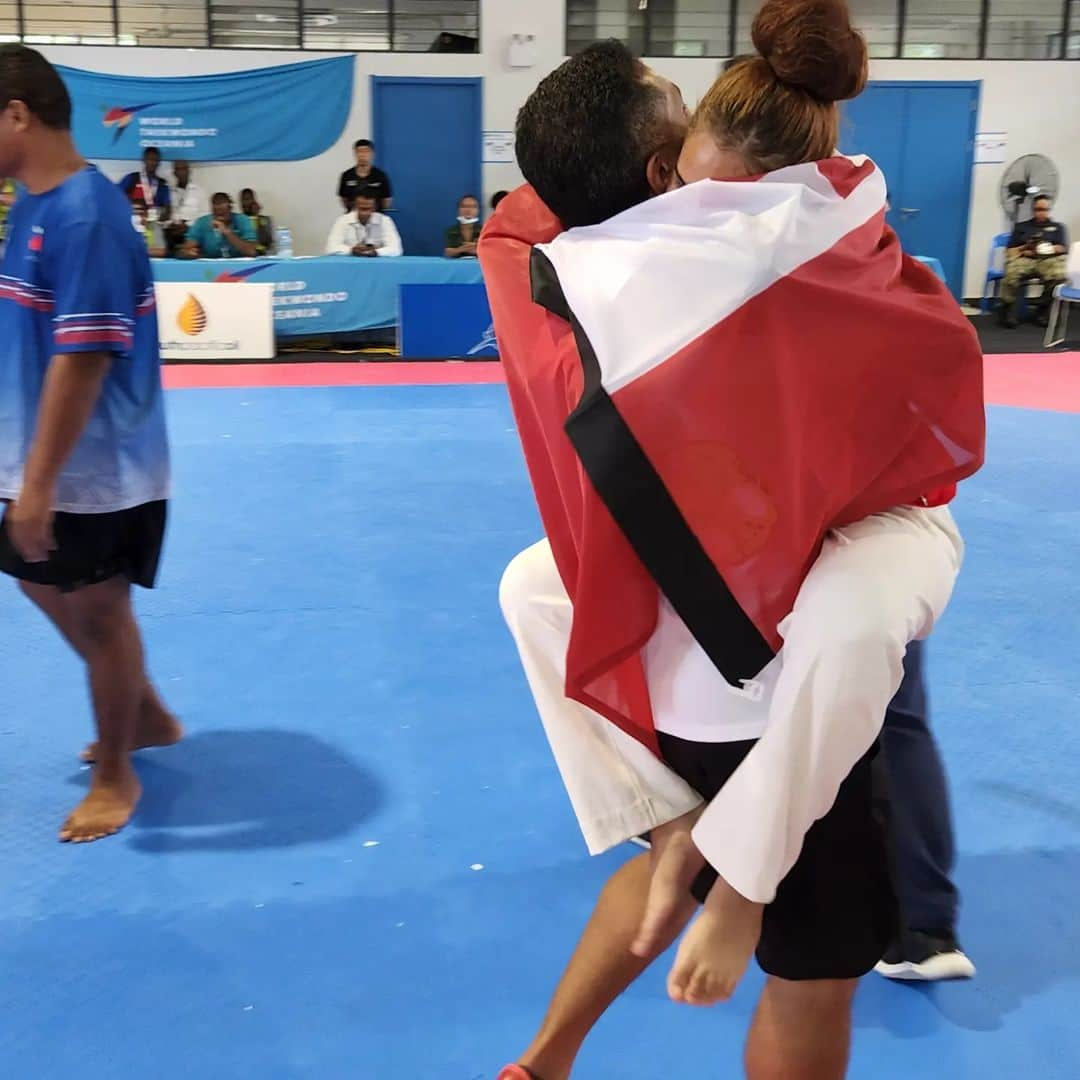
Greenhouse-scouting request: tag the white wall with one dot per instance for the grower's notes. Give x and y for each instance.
(1037, 103)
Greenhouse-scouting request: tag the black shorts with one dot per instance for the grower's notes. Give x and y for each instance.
(836, 912)
(92, 548)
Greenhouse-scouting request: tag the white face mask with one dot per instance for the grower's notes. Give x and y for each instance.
(468, 220)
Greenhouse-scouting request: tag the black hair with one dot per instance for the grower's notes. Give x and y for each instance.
(218, 196)
(26, 76)
(1042, 198)
(498, 198)
(586, 132)
(247, 191)
(363, 142)
(151, 150)
(468, 196)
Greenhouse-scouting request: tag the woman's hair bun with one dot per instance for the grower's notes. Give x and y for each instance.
(811, 45)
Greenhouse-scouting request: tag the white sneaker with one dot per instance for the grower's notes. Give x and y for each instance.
(926, 957)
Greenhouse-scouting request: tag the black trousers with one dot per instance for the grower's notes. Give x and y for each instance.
(925, 848)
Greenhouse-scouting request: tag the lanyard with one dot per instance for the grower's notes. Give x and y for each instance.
(149, 190)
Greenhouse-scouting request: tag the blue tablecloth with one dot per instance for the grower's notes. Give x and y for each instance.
(330, 294)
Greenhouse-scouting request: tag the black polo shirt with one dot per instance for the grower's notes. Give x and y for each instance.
(376, 185)
(1050, 232)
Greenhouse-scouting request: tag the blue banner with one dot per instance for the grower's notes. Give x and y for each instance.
(444, 322)
(335, 294)
(284, 113)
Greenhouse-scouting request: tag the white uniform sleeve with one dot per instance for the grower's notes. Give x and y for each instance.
(392, 245)
(337, 243)
(877, 585)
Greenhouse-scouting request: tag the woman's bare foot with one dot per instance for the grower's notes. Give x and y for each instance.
(716, 951)
(106, 809)
(156, 726)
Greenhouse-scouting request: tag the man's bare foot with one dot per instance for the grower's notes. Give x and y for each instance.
(675, 863)
(716, 951)
(156, 727)
(106, 809)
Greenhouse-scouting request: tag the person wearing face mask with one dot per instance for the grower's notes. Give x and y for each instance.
(461, 238)
(633, 675)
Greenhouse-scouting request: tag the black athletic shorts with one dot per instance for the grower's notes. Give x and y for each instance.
(836, 912)
(92, 548)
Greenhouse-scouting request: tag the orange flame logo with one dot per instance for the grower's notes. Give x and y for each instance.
(192, 317)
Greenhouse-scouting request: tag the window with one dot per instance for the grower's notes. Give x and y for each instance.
(180, 23)
(9, 22)
(255, 24)
(1025, 29)
(597, 20)
(879, 21)
(931, 30)
(359, 25)
(420, 24)
(57, 23)
(688, 27)
(652, 27)
(334, 25)
(943, 29)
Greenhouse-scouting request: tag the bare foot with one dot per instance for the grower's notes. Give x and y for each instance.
(716, 951)
(156, 727)
(675, 863)
(106, 809)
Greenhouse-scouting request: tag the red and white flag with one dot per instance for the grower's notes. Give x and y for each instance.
(759, 363)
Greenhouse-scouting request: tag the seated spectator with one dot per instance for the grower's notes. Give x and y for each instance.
(364, 232)
(365, 179)
(260, 222)
(7, 201)
(221, 234)
(461, 238)
(145, 184)
(1037, 252)
(497, 198)
(189, 203)
(152, 231)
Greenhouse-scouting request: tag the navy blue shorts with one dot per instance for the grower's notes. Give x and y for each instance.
(92, 548)
(836, 912)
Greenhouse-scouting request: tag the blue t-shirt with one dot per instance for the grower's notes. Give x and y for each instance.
(158, 195)
(212, 245)
(76, 279)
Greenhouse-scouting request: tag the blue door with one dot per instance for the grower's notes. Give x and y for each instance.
(429, 138)
(922, 135)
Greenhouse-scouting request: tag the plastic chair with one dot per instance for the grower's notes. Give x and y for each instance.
(1064, 297)
(995, 275)
(995, 272)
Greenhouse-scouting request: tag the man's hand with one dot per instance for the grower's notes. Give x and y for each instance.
(675, 863)
(29, 524)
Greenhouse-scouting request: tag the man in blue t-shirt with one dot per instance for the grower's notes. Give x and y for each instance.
(221, 234)
(84, 459)
(145, 183)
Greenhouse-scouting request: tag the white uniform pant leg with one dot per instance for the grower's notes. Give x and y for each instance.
(877, 585)
(617, 787)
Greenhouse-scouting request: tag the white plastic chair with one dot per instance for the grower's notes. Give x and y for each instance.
(1065, 295)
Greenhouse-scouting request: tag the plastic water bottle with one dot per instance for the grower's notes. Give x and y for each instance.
(284, 243)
